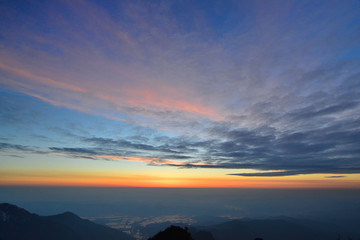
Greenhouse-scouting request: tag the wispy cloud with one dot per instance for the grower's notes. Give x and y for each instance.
(272, 87)
(6, 146)
(336, 176)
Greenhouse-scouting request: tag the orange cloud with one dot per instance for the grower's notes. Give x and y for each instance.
(154, 100)
(39, 79)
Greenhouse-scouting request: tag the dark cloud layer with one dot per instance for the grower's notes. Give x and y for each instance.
(286, 103)
(8, 146)
(331, 148)
(336, 176)
(73, 150)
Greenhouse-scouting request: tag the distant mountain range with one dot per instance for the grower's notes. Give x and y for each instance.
(278, 228)
(18, 224)
(265, 229)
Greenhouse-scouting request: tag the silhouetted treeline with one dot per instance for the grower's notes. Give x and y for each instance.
(173, 233)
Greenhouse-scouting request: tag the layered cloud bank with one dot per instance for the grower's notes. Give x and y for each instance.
(266, 86)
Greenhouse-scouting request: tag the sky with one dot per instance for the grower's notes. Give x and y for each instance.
(194, 94)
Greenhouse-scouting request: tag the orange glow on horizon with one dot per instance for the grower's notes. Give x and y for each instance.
(141, 180)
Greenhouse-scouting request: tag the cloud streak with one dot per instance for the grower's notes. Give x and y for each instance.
(271, 87)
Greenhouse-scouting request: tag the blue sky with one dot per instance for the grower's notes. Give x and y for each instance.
(222, 89)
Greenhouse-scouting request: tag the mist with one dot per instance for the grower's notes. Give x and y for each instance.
(144, 202)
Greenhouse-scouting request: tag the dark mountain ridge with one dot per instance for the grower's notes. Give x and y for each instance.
(275, 229)
(173, 233)
(18, 224)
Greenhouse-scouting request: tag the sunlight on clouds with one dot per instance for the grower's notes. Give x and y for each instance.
(267, 92)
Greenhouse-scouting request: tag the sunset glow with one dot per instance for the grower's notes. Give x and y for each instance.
(250, 94)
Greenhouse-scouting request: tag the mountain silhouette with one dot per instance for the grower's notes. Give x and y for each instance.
(202, 235)
(173, 233)
(18, 224)
(179, 233)
(264, 229)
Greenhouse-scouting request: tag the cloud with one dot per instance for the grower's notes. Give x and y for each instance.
(121, 143)
(292, 173)
(331, 149)
(19, 149)
(73, 150)
(16, 147)
(273, 89)
(328, 110)
(12, 155)
(336, 176)
(328, 150)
